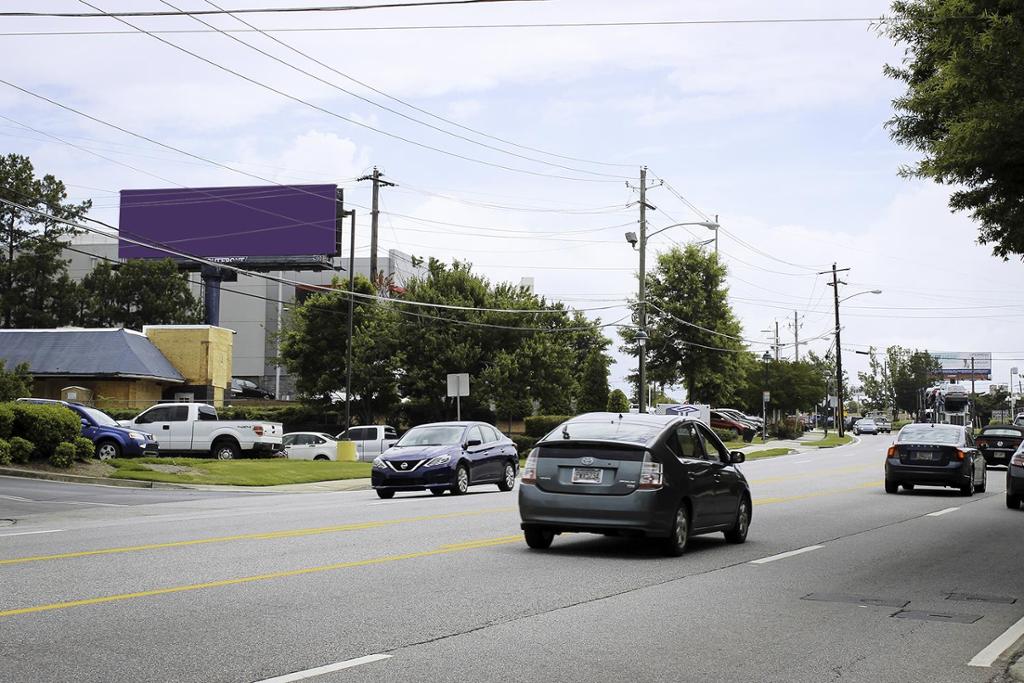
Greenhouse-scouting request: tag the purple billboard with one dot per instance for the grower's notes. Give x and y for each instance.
(265, 222)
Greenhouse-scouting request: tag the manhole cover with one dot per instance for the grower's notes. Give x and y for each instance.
(6, 522)
(856, 600)
(938, 616)
(977, 597)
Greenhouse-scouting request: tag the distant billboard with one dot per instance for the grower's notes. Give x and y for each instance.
(287, 224)
(958, 365)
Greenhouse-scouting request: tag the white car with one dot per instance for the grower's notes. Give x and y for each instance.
(865, 426)
(310, 446)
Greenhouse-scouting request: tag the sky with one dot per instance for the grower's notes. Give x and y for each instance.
(776, 128)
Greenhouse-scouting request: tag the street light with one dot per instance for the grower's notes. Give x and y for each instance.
(631, 237)
(840, 427)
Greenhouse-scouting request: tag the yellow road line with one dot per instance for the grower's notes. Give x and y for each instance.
(270, 535)
(472, 545)
(816, 494)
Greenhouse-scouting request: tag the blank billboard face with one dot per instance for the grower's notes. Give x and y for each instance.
(267, 221)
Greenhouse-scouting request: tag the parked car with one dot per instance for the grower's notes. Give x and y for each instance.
(744, 430)
(1015, 479)
(446, 456)
(660, 476)
(935, 455)
(370, 440)
(243, 388)
(310, 446)
(755, 422)
(883, 424)
(111, 440)
(865, 425)
(194, 428)
(999, 442)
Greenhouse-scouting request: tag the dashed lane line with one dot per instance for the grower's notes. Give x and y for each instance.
(782, 556)
(939, 513)
(329, 668)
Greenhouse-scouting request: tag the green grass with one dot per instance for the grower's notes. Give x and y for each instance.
(735, 445)
(264, 472)
(768, 453)
(829, 441)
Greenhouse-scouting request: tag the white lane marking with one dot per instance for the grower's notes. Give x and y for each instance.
(800, 462)
(939, 513)
(19, 499)
(782, 556)
(321, 670)
(29, 533)
(998, 646)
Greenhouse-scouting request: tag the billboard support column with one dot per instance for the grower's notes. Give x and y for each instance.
(211, 295)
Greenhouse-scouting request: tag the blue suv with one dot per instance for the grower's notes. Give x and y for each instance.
(112, 441)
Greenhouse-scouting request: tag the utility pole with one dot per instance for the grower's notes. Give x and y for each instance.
(776, 341)
(376, 177)
(796, 336)
(641, 384)
(351, 306)
(972, 377)
(840, 427)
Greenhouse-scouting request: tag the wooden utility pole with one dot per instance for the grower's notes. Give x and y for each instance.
(377, 178)
(841, 410)
(796, 336)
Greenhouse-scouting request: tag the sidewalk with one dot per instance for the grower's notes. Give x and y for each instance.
(795, 445)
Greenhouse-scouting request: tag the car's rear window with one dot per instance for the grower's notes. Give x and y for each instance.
(926, 433)
(612, 430)
(1001, 432)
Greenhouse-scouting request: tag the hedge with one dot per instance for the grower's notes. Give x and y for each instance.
(85, 449)
(5, 452)
(21, 449)
(63, 455)
(726, 435)
(539, 425)
(6, 420)
(523, 443)
(46, 425)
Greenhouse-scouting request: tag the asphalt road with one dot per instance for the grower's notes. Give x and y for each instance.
(247, 588)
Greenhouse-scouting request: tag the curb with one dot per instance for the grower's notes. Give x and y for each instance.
(79, 479)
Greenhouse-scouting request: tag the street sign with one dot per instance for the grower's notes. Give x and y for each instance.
(767, 397)
(458, 385)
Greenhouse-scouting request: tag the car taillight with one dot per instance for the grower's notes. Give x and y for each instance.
(1018, 459)
(651, 474)
(258, 430)
(892, 452)
(529, 475)
(960, 454)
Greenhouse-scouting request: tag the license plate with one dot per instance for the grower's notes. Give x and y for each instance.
(586, 475)
(926, 456)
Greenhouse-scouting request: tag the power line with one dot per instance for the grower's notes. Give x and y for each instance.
(254, 10)
(347, 119)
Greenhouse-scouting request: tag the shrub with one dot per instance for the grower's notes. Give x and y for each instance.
(63, 455)
(85, 449)
(523, 443)
(789, 428)
(5, 452)
(726, 434)
(539, 425)
(6, 420)
(48, 425)
(618, 402)
(21, 449)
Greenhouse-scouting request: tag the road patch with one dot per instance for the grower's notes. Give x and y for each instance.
(856, 600)
(947, 617)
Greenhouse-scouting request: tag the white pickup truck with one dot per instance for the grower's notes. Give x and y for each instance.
(194, 428)
(370, 440)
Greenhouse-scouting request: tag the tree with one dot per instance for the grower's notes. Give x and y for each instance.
(618, 402)
(794, 386)
(877, 384)
(35, 290)
(594, 391)
(693, 335)
(14, 383)
(911, 372)
(985, 404)
(964, 106)
(136, 293)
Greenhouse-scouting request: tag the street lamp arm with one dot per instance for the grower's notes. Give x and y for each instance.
(868, 291)
(707, 224)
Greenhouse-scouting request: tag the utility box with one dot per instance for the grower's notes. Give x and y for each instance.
(76, 395)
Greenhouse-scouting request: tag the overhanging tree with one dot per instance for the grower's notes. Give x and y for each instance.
(136, 293)
(964, 106)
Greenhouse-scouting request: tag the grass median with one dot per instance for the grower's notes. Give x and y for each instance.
(768, 453)
(830, 441)
(263, 472)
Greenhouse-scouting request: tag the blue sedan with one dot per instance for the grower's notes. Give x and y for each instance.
(446, 456)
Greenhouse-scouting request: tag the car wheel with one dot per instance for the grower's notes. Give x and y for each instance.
(908, 487)
(1012, 501)
(968, 488)
(508, 478)
(105, 450)
(980, 488)
(738, 534)
(460, 484)
(385, 493)
(321, 457)
(675, 544)
(891, 486)
(225, 450)
(437, 492)
(538, 539)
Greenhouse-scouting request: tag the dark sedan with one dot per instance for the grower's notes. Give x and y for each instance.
(1015, 479)
(446, 456)
(998, 442)
(659, 476)
(935, 455)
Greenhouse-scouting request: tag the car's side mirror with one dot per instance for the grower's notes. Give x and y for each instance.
(736, 457)
(85, 423)
(473, 442)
